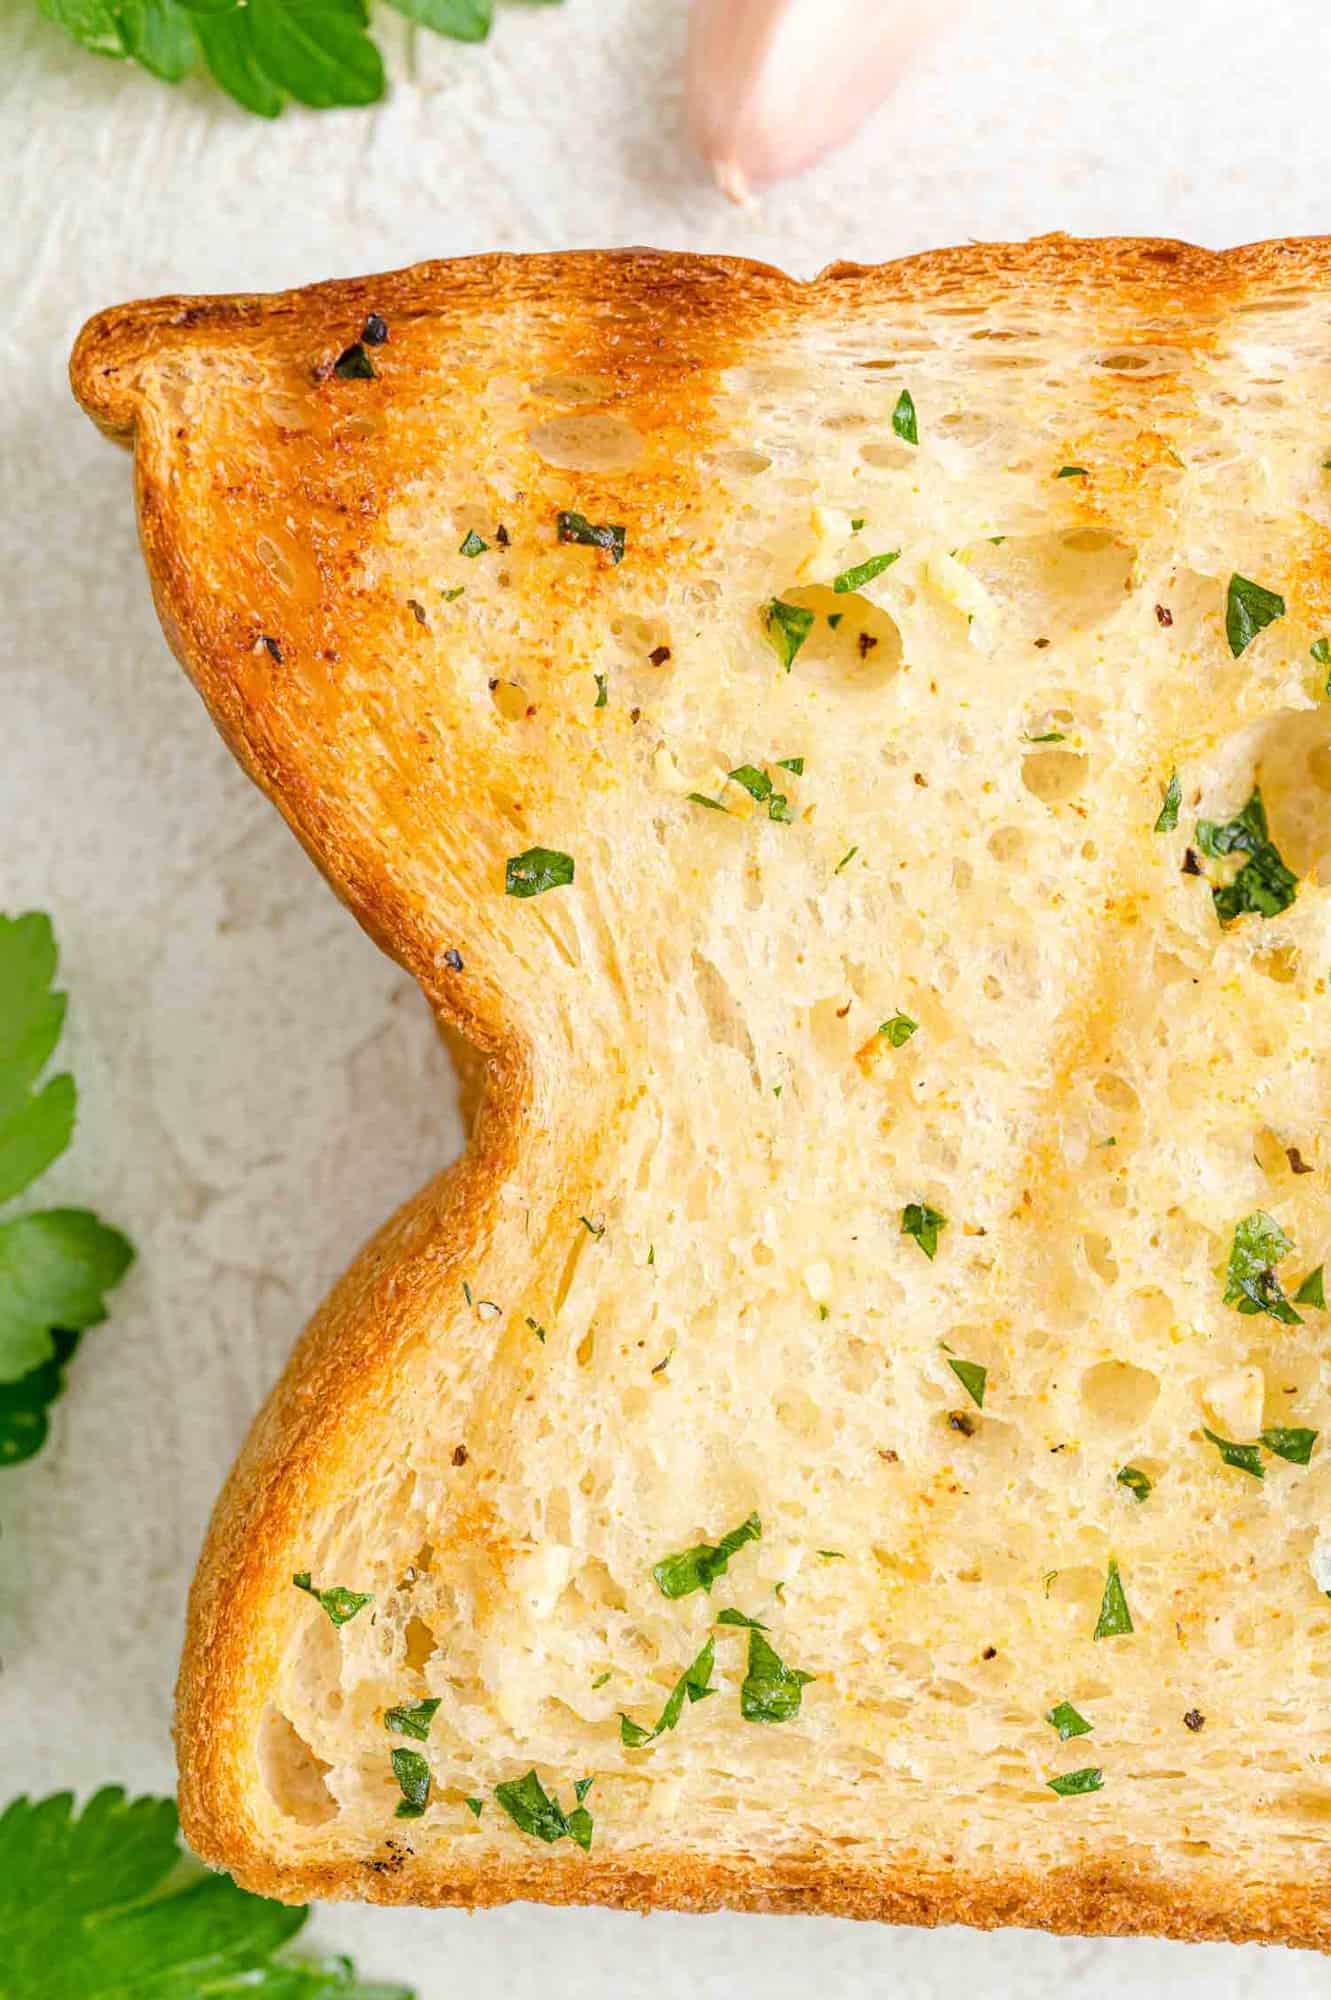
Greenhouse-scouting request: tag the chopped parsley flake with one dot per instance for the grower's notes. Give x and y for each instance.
(414, 1721)
(847, 857)
(924, 1224)
(353, 364)
(476, 1806)
(903, 418)
(1067, 1721)
(1072, 472)
(787, 627)
(1074, 1784)
(1250, 1280)
(539, 869)
(1136, 1481)
(536, 1328)
(1243, 1457)
(593, 1229)
(770, 1691)
(1249, 609)
(865, 572)
(898, 1031)
(577, 528)
(413, 1775)
(534, 1811)
(1263, 886)
(1320, 650)
(694, 1684)
(472, 545)
(340, 1603)
(732, 1617)
(602, 694)
(795, 764)
(759, 786)
(971, 1376)
(1173, 799)
(1115, 1618)
(1312, 1292)
(1295, 1446)
(698, 1568)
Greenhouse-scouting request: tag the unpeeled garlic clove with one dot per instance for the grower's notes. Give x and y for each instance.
(771, 85)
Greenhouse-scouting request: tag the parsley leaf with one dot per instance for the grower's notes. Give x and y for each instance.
(460, 20)
(532, 1809)
(1072, 472)
(571, 527)
(1136, 1481)
(1074, 1784)
(1243, 1457)
(795, 764)
(1263, 885)
(472, 544)
(1115, 1618)
(755, 782)
(787, 627)
(105, 1904)
(1067, 1721)
(340, 1603)
(694, 1684)
(1320, 650)
(1173, 799)
(35, 1126)
(414, 1721)
(1249, 609)
(770, 1691)
(924, 1224)
(56, 1267)
(1312, 1292)
(898, 1030)
(1250, 1281)
(539, 869)
(413, 1775)
(1295, 1446)
(903, 418)
(24, 1422)
(732, 1617)
(865, 572)
(972, 1378)
(698, 1568)
(602, 690)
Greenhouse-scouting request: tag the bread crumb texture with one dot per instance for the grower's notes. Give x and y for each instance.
(729, 1241)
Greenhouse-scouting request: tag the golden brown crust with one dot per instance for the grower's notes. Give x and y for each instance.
(337, 1381)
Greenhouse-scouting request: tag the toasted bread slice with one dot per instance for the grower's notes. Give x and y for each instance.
(804, 738)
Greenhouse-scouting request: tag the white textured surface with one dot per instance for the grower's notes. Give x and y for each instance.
(258, 1087)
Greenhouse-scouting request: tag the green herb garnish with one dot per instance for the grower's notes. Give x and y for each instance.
(1312, 1292)
(834, 618)
(847, 857)
(472, 545)
(606, 535)
(1249, 609)
(1136, 1482)
(1250, 1280)
(413, 1775)
(971, 1376)
(1320, 650)
(1243, 1457)
(539, 869)
(865, 572)
(340, 1603)
(732, 1617)
(474, 1806)
(1295, 1446)
(353, 364)
(1115, 1618)
(1168, 816)
(1067, 1721)
(414, 1721)
(787, 627)
(770, 1691)
(1074, 1784)
(532, 1809)
(903, 418)
(1072, 472)
(1263, 886)
(898, 1031)
(602, 693)
(924, 1224)
(105, 1904)
(694, 1684)
(795, 764)
(699, 1567)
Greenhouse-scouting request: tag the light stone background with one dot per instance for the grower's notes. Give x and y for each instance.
(258, 1087)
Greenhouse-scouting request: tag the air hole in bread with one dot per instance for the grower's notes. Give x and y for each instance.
(575, 389)
(418, 1644)
(857, 655)
(1006, 843)
(1118, 1396)
(723, 1012)
(511, 701)
(1116, 1093)
(1048, 587)
(887, 454)
(743, 461)
(1140, 361)
(294, 1776)
(1054, 776)
(586, 1348)
(1095, 1249)
(596, 442)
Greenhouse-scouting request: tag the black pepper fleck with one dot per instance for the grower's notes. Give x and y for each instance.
(959, 1421)
(1194, 1720)
(460, 1455)
(866, 643)
(1191, 865)
(375, 331)
(501, 536)
(659, 655)
(417, 610)
(1164, 616)
(989, 1653)
(273, 649)
(453, 959)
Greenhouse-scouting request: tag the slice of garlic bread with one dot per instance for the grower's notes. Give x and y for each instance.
(854, 760)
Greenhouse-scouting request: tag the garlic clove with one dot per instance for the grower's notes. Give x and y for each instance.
(771, 85)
